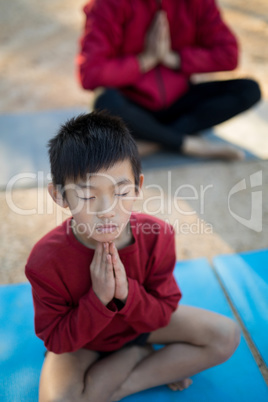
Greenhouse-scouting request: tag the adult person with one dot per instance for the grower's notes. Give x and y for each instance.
(143, 54)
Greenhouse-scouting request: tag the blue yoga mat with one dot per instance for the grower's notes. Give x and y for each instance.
(22, 353)
(245, 277)
(238, 379)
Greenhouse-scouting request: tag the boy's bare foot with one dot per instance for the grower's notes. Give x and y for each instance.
(200, 147)
(147, 148)
(180, 385)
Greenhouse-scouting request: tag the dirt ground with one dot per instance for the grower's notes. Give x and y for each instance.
(39, 42)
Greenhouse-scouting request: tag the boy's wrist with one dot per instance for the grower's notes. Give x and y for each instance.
(103, 301)
(124, 300)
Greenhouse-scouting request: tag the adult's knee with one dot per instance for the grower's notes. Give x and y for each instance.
(109, 99)
(250, 93)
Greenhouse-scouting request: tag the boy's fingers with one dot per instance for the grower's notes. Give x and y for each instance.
(114, 253)
(97, 257)
(117, 263)
(109, 264)
(109, 259)
(104, 254)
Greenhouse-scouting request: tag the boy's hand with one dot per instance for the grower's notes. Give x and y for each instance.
(121, 282)
(102, 274)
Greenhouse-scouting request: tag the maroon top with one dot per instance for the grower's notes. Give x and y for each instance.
(115, 33)
(68, 314)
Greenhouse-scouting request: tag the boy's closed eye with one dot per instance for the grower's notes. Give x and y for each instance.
(87, 198)
(122, 194)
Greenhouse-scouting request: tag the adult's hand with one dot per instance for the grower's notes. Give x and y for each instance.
(167, 56)
(157, 49)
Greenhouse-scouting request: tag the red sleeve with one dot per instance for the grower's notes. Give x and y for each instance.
(62, 327)
(216, 47)
(98, 60)
(149, 306)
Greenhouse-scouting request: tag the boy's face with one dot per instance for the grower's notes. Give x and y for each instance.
(101, 204)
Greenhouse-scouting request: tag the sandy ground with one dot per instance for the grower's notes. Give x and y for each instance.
(39, 42)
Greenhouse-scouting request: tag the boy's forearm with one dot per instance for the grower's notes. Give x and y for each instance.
(146, 312)
(66, 329)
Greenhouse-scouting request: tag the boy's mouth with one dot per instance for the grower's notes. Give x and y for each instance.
(106, 228)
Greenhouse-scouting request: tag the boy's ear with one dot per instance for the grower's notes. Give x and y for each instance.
(56, 196)
(140, 183)
(141, 180)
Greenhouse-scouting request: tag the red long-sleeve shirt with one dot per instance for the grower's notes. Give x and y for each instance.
(68, 314)
(114, 36)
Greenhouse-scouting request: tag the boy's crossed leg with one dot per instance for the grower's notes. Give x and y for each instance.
(82, 376)
(195, 339)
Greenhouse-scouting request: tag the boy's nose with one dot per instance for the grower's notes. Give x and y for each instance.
(110, 213)
(106, 210)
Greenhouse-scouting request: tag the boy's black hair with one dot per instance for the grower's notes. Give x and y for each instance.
(88, 143)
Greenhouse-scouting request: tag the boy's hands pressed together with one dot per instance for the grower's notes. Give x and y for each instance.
(121, 282)
(102, 274)
(108, 274)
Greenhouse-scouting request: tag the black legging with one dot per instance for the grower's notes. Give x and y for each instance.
(202, 107)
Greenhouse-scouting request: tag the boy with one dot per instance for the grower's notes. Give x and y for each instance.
(103, 284)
